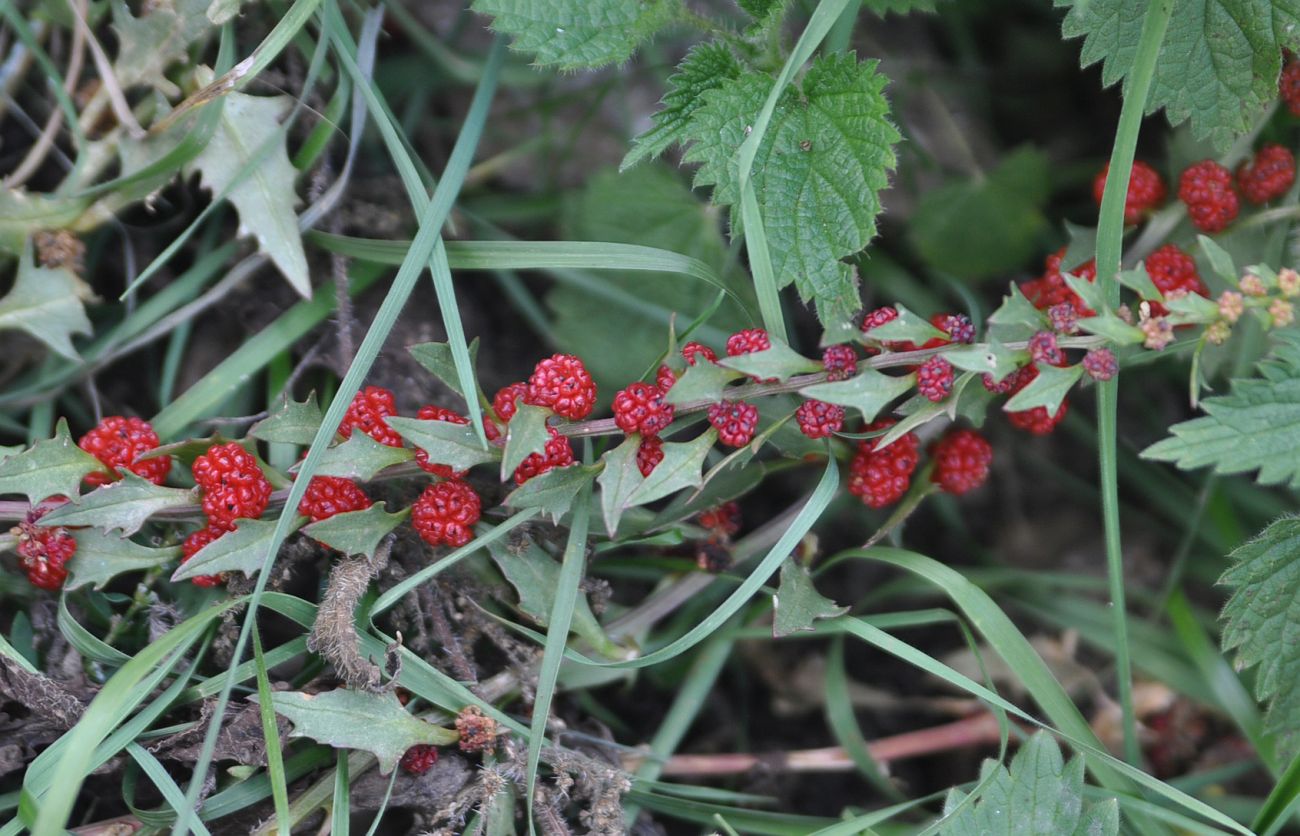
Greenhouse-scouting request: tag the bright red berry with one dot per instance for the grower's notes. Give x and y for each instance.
(958, 327)
(44, 551)
(649, 454)
(1206, 188)
(191, 547)
(692, 350)
(961, 461)
(840, 361)
(1288, 86)
(445, 514)
(735, 421)
(818, 419)
(330, 495)
(1037, 420)
(1064, 318)
(505, 403)
(665, 377)
(562, 383)
(1173, 271)
(934, 379)
(118, 442)
(747, 342)
(1043, 349)
(429, 412)
(1146, 191)
(419, 759)
(878, 317)
(1100, 364)
(233, 485)
(1010, 383)
(557, 453)
(640, 408)
(1050, 289)
(367, 413)
(1268, 176)
(881, 477)
(723, 520)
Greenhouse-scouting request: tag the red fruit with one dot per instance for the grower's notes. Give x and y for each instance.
(692, 350)
(649, 454)
(330, 495)
(191, 547)
(722, 520)
(934, 379)
(878, 317)
(445, 514)
(640, 408)
(1064, 318)
(961, 461)
(818, 419)
(419, 759)
(735, 422)
(1206, 188)
(1173, 271)
(558, 453)
(665, 377)
(840, 361)
(505, 402)
(1100, 364)
(118, 442)
(234, 487)
(881, 477)
(1050, 288)
(367, 413)
(1043, 349)
(1036, 420)
(1146, 191)
(747, 342)
(1288, 86)
(562, 383)
(44, 551)
(429, 412)
(1268, 176)
(1010, 383)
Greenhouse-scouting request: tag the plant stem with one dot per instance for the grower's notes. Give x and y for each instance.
(1110, 235)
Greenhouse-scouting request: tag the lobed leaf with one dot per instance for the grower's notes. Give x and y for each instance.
(1048, 389)
(125, 504)
(780, 362)
(552, 491)
(618, 480)
(52, 467)
(682, 467)
(525, 434)
(797, 602)
(361, 457)
(868, 392)
(455, 445)
(569, 34)
(294, 423)
(357, 532)
(702, 382)
(706, 67)
(242, 550)
(46, 303)
(101, 557)
(436, 357)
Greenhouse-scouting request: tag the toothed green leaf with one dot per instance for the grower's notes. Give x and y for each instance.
(1048, 389)
(242, 550)
(357, 532)
(552, 491)
(569, 34)
(46, 303)
(361, 457)
(780, 362)
(868, 392)
(706, 67)
(682, 467)
(101, 557)
(702, 382)
(620, 478)
(51, 467)
(455, 445)
(525, 434)
(797, 602)
(125, 504)
(294, 423)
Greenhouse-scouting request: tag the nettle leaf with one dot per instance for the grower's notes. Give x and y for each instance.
(241, 550)
(569, 34)
(1048, 389)
(455, 445)
(706, 67)
(780, 362)
(868, 392)
(535, 576)
(294, 423)
(361, 457)
(682, 467)
(1260, 621)
(824, 159)
(437, 359)
(246, 160)
(798, 603)
(125, 504)
(371, 722)
(1218, 64)
(1040, 793)
(51, 467)
(906, 326)
(1254, 427)
(702, 382)
(46, 303)
(149, 44)
(552, 491)
(987, 225)
(618, 481)
(357, 532)
(101, 557)
(525, 434)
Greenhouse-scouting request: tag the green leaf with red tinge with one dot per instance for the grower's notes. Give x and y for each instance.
(780, 362)
(125, 504)
(1048, 389)
(357, 532)
(101, 557)
(906, 327)
(241, 550)
(52, 467)
(702, 382)
(797, 602)
(371, 722)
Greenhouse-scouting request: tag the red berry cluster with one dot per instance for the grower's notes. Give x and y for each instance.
(562, 384)
(330, 495)
(818, 419)
(1050, 289)
(505, 403)
(557, 453)
(1173, 272)
(934, 378)
(749, 341)
(649, 454)
(192, 545)
(419, 759)
(1268, 176)
(429, 412)
(722, 522)
(880, 477)
(640, 408)
(44, 551)
(233, 484)
(119, 442)
(735, 421)
(1206, 188)
(445, 513)
(367, 413)
(1146, 191)
(693, 350)
(961, 461)
(1037, 420)
(840, 362)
